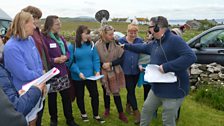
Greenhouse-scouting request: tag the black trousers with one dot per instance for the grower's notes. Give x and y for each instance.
(147, 88)
(131, 82)
(39, 115)
(66, 102)
(80, 93)
(117, 101)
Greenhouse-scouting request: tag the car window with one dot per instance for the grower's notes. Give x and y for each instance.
(214, 39)
(3, 26)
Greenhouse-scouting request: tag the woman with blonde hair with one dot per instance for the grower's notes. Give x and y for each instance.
(131, 70)
(21, 57)
(111, 56)
(41, 46)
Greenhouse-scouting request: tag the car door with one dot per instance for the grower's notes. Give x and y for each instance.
(210, 47)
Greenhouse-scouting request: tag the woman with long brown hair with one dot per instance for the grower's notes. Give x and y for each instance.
(85, 62)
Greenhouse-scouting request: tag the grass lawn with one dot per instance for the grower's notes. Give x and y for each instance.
(192, 113)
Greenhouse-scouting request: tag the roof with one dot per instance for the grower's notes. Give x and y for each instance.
(142, 19)
(4, 15)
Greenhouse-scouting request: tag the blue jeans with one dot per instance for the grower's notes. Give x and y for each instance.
(170, 108)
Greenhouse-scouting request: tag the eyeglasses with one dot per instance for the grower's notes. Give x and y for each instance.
(151, 26)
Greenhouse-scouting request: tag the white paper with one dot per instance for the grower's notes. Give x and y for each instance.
(153, 75)
(95, 77)
(43, 79)
(33, 113)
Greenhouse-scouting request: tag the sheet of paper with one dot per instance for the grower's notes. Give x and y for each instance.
(153, 75)
(38, 107)
(43, 79)
(95, 77)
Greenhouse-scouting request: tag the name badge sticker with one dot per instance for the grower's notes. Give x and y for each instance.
(53, 45)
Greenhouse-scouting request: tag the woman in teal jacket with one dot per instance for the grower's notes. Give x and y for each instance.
(85, 62)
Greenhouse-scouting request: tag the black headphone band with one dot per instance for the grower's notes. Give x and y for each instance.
(156, 28)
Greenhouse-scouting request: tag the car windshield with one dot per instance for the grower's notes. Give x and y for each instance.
(213, 39)
(4, 24)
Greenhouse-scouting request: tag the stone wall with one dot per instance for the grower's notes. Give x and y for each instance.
(206, 74)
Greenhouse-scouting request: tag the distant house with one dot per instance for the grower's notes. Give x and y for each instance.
(120, 20)
(129, 20)
(202, 24)
(134, 20)
(142, 20)
(213, 22)
(195, 24)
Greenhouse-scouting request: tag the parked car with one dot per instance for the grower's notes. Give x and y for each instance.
(209, 45)
(5, 20)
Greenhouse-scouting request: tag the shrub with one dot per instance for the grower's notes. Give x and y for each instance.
(212, 95)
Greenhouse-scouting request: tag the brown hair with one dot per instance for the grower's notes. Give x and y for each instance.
(103, 31)
(49, 22)
(36, 12)
(78, 36)
(18, 24)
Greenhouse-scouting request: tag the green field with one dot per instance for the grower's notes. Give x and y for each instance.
(69, 28)
(192, 113)
(72, 26)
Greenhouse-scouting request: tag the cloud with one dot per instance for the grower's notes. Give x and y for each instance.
(172, 9)
(200, 12)
(89, 3)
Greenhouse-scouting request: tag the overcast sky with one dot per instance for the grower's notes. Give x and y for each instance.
(172, 9)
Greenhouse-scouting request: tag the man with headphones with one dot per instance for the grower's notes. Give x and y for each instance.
(171, 53)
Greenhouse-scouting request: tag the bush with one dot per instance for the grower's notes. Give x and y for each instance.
(212, 95)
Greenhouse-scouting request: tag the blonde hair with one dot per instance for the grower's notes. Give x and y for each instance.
(103, 31)
(18, 24)
(132, 27)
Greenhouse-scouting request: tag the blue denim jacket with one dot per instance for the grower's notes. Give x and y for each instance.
(130, 63)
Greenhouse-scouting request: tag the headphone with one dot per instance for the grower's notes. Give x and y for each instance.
(156, 28)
